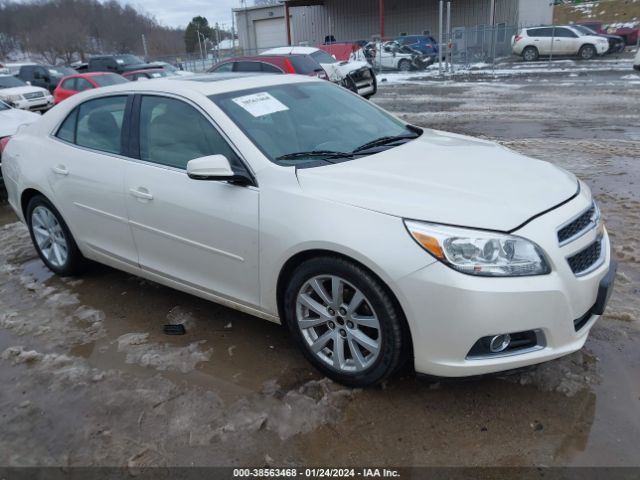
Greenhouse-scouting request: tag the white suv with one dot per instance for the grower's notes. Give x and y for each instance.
(530, 43)
(21, 95)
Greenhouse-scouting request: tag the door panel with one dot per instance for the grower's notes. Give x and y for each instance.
(88, 184)
(201, 233)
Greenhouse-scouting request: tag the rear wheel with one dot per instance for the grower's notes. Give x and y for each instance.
(345, 321)
(404, 65)
(530, 54)
(51, 237)
(587, 52)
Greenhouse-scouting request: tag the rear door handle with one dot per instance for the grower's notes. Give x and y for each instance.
(60, 170)
(141, 192)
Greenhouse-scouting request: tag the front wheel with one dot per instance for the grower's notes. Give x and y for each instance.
(345, 321)
(51, 237)
(587, 52)
(404, 65)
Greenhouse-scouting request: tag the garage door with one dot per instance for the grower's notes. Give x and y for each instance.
(270, 33)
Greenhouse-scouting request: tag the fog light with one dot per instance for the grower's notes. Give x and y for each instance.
(499, 343)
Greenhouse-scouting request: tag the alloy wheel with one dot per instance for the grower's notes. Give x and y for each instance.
(338, 323)
(49, 236)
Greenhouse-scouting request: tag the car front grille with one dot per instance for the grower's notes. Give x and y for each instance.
(33, 95)
(587, 259)
(578, 226)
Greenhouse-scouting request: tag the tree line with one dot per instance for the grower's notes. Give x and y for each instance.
(64, 31)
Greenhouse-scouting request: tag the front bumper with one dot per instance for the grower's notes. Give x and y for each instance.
(35, 105)
(449, 312)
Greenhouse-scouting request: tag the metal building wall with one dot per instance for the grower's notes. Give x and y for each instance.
(359, 19)
(245, 24)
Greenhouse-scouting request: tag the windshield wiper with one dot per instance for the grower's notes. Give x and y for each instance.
(379, 142)
(326, 154)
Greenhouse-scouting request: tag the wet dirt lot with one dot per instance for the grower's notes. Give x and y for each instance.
(88, 377)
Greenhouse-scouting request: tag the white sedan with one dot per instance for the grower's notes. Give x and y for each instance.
(297, 201)
(11, 119)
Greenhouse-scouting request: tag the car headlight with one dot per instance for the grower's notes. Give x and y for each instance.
(478, 252)
(11, 98)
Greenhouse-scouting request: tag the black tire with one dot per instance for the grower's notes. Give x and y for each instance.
(395, 342)
(404, 65)
(587, 52)
(75, 262)
(530, 54)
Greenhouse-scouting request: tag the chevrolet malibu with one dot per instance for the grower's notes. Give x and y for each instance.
(374, 241)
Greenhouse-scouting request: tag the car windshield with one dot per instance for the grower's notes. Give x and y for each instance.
(321, 56)
(128, 60)
(7, 81)
(312, 123)
(4, 106)
(582, 30)
(59, 72)
(168, 67)
(108, 80)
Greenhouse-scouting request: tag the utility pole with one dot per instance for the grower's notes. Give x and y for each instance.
(440, 39)
(144, 46)
(217, 41)
(449, 66)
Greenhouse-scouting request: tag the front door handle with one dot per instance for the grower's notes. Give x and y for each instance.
(141, 192)
(60, 170)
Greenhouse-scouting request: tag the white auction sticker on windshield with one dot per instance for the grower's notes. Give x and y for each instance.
(260, 104)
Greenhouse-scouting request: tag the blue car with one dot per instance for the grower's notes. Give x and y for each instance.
(425, 44)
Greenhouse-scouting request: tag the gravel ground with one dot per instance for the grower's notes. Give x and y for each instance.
(89, 378)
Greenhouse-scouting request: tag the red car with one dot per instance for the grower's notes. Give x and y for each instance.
(628, 33)
(72, 84)
(146, 74)
(291, 64)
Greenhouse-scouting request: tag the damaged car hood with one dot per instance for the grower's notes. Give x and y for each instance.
(445, 178)
(339, 70)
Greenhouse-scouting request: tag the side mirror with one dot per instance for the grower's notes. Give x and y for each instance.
(215, 168)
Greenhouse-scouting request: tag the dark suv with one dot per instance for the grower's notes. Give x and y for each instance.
(45, 76)
(117, 63)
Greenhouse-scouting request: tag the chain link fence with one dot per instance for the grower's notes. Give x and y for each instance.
(481, 46)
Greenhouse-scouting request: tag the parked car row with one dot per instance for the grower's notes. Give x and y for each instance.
(357, 76)
(569, 40)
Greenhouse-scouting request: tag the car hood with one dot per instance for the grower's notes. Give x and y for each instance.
(12, 119)
(22, 90)
(445, 178)
(339, 70)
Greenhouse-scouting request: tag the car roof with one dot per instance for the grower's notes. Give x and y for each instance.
(290, 50)
(207, 84)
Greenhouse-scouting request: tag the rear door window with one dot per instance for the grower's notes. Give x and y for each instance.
(268, 68)
(69, 84)
(565, 33)
(83, 84)
(248, 67)
(99, 124)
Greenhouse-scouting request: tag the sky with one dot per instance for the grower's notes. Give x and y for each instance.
(178, 13)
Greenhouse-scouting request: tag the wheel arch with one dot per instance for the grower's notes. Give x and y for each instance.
(300, 257)
(26, 196)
